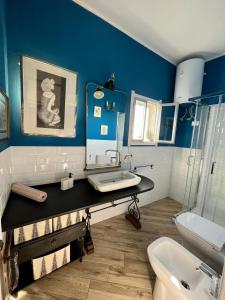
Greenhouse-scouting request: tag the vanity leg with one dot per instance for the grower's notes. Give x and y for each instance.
(133, 215)
(10, 258)
(88, 242)
(81, 245)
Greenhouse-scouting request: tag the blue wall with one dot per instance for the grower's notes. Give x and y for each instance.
(63, 33)
(214, 81)
(3, 60)
(73, 38)
(2, 46)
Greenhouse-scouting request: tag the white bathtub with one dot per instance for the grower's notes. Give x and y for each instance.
(203, 235)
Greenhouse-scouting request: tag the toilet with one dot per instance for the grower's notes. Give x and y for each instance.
(176, 269)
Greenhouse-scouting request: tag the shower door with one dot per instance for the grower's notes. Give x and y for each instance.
(214, 198)
(195, 157)
(205, 182)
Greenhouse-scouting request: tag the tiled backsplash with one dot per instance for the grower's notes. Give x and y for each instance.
(39, 165)
(5, 177)
(161, 158)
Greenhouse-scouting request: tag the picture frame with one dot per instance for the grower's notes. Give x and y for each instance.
(97, 111)
(49, 104)
(4, 116)
(104, 129)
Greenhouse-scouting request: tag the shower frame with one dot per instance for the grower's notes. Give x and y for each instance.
(189, 203)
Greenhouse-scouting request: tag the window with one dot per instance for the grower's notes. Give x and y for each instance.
(151, 121)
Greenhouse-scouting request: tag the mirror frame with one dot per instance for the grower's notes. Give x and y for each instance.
(86, 124)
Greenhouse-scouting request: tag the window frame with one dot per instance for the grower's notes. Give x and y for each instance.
(144, 99)
(172, 141)
(131, 141)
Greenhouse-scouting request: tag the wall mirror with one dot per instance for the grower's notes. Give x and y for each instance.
(106, 115)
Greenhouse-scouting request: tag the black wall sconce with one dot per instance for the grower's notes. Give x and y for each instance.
(110, 83)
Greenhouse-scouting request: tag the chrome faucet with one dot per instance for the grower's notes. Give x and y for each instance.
(128, 155)
(215, 279)
(117, 155)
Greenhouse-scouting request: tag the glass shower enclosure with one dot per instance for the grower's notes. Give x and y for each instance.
(205, 182)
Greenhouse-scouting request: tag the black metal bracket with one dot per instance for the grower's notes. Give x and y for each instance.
(133, 208)
(133, 215)
(88, 243)
(88, 218)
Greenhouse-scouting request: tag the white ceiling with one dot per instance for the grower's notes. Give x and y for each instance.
(175, 29)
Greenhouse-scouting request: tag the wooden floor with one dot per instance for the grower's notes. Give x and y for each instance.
(119, 269)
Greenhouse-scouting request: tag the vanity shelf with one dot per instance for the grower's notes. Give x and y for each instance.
(22, 214)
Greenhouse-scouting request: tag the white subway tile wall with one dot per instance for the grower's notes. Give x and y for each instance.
(39, 165)
(5, 177)
(179, 174)
(161, 158)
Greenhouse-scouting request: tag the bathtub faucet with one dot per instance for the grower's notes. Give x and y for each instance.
(215, 279)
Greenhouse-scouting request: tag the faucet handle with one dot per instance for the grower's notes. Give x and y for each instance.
(214, 286)
(215, 279)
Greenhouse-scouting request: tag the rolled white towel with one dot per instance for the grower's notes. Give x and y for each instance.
(29, 192)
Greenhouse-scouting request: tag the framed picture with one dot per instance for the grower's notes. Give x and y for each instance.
(104, 129)
(97, 111)
(4, 116)
(49, 99)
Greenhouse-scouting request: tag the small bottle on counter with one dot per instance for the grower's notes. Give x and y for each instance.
(70, 180)
(67, 183)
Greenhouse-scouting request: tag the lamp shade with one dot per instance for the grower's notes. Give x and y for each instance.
(99, 94)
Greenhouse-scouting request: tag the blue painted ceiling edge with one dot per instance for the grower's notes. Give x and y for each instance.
(73, 38)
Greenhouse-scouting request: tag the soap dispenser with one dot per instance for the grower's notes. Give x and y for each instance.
(70, 180)
(64, 184)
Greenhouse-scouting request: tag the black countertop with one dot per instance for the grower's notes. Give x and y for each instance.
(21, 211)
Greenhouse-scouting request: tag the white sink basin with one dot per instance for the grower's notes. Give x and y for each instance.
(111, 181)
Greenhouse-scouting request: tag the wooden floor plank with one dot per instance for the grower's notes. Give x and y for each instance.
(120, 276)
(58, 285)
(108, 256)
(102, 291)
